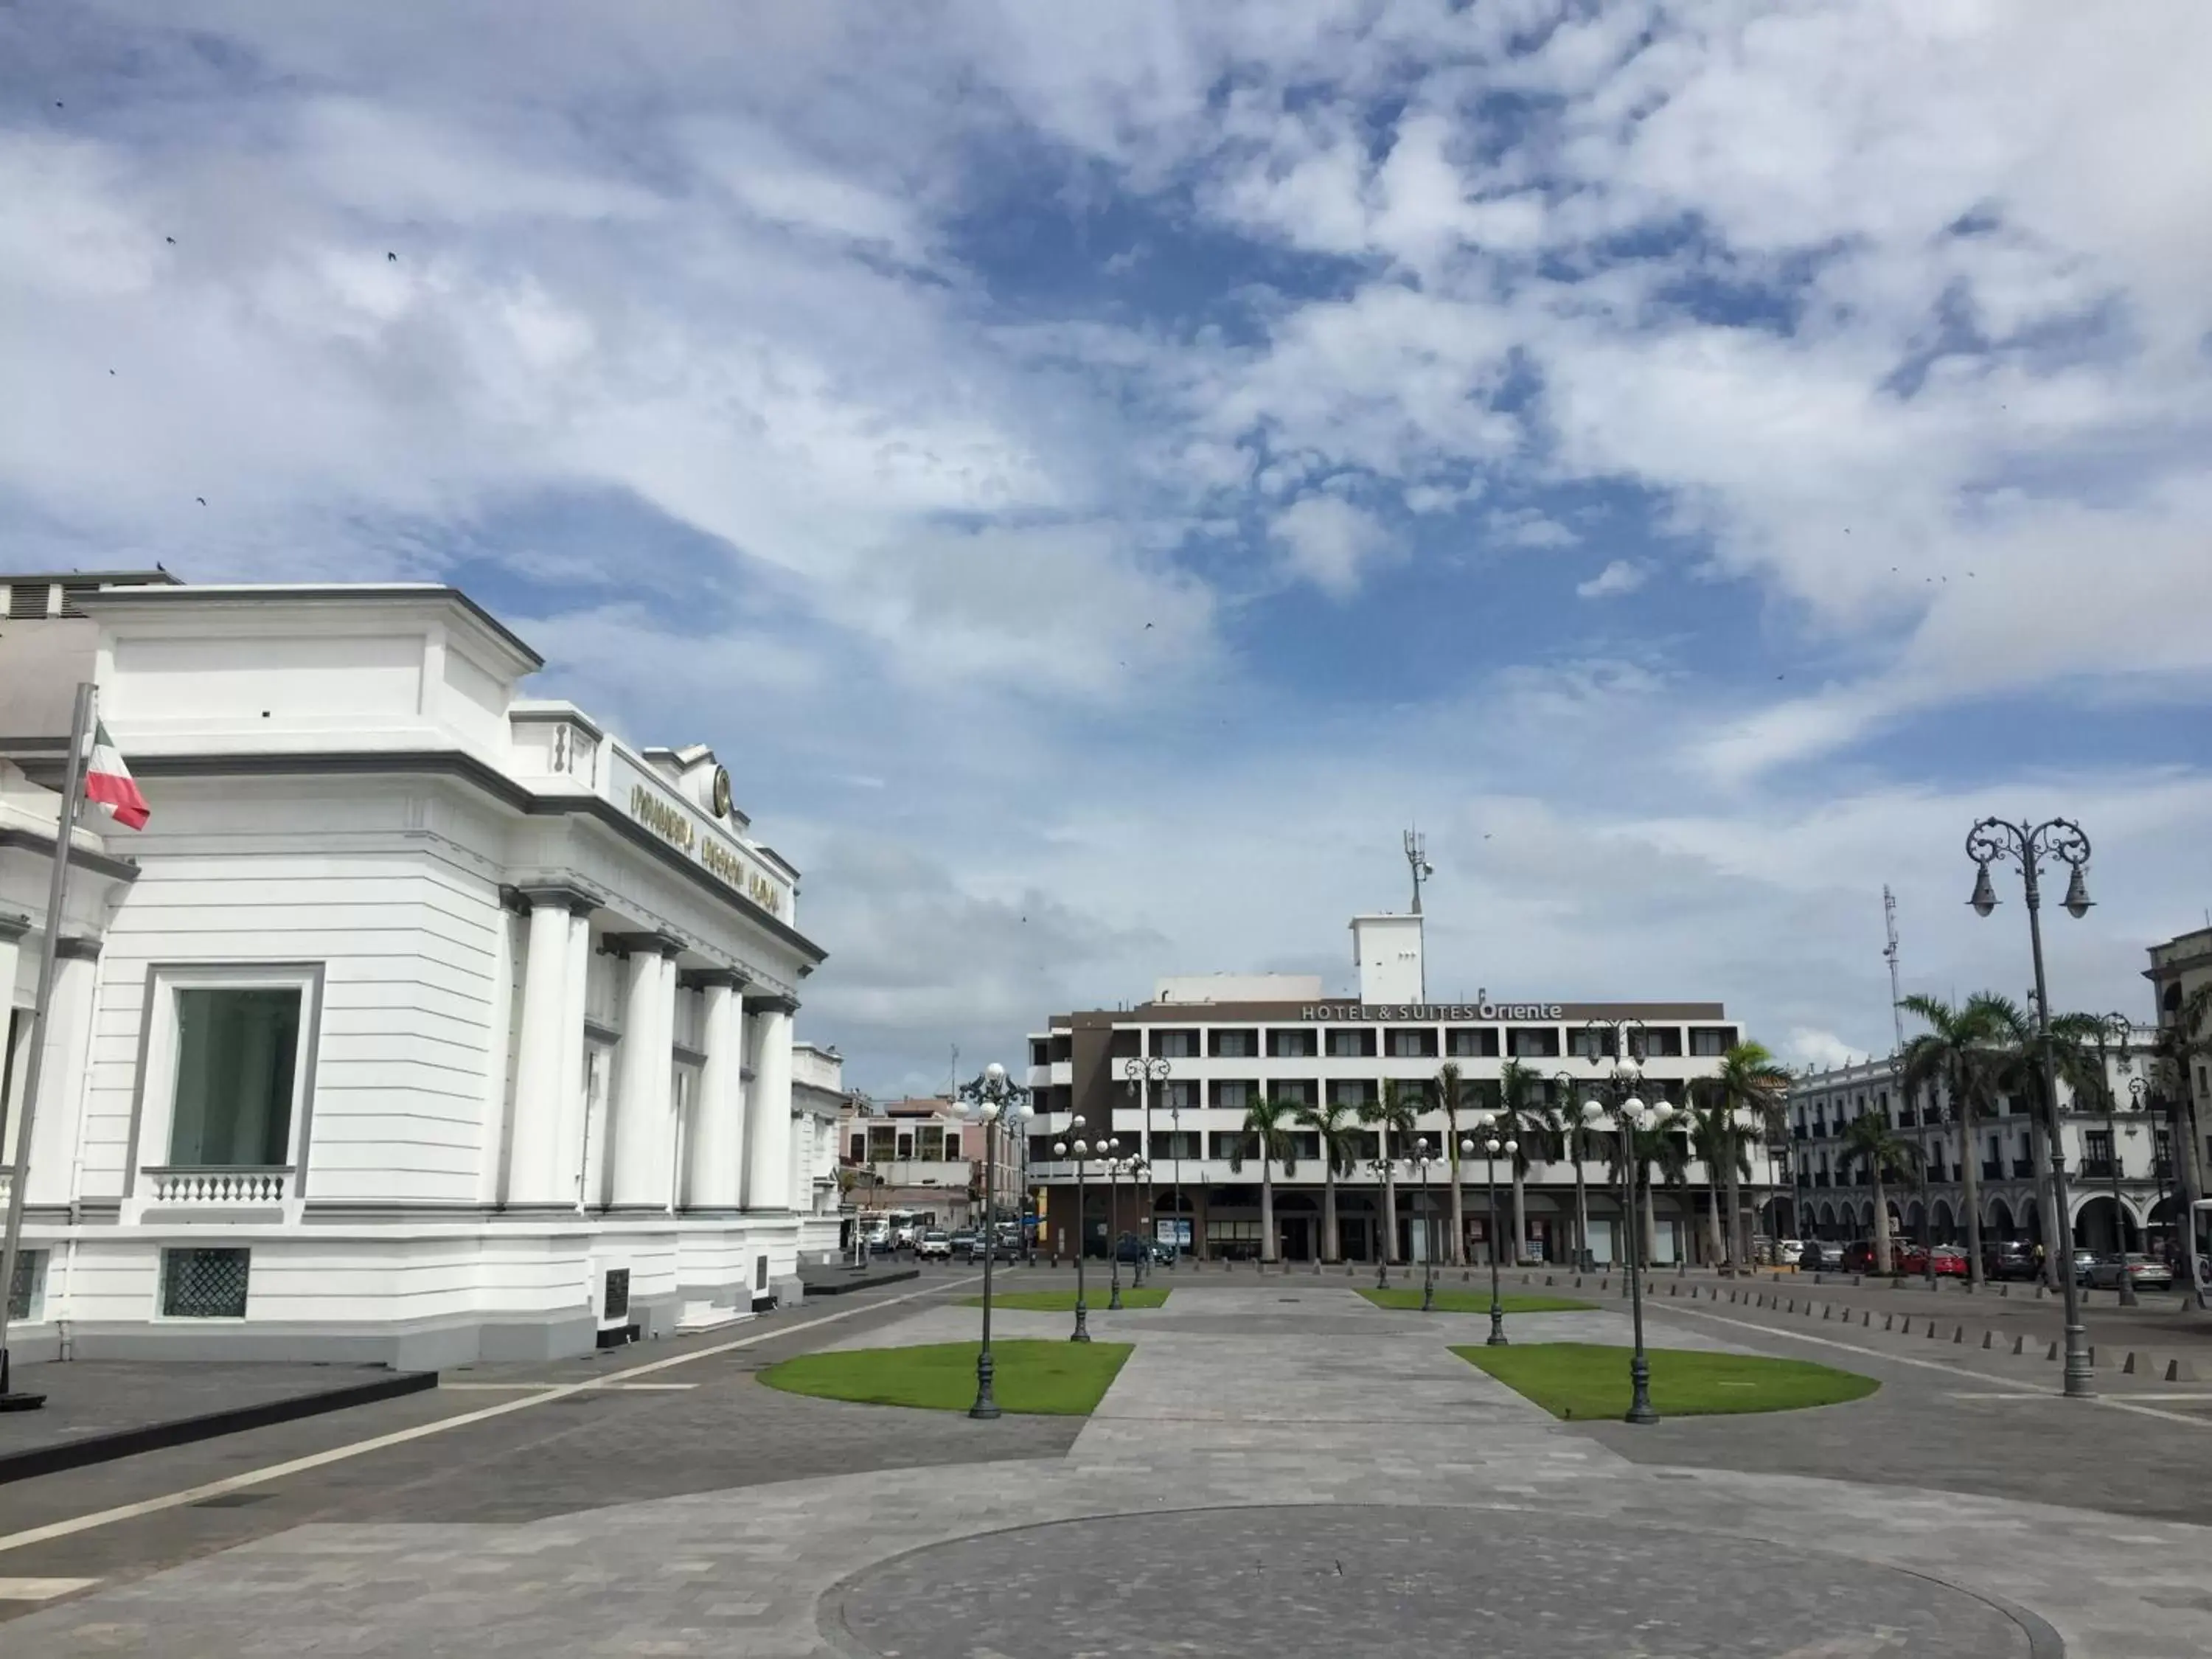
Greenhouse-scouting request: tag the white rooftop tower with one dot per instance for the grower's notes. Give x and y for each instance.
(1387, 950)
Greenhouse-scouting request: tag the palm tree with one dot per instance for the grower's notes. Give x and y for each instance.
(1710, 1140)
(1394, 1114)
(1518, 1120)
(1331, 1124)
(2184, 1042)
(1885, 1152)
(1749, 1093)
(2013, 1065)
(1659, 1147)
(1268, 1122)
(1448, 1090)
(1563, 1118)
(1952, 1053)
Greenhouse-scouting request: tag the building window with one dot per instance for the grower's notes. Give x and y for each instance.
(1235, 1144)
(1662, 1042)
(1352, 1092)
(860, 1148)
(1411, 1044)
(1176, 1097)
(1236, 1045)
(1170, 1143)
(237, 1075)
(1357, 1044)
(205, 1283)
(1710, 1041)
(1126, 1042)
(1472, 1042)
(1175, 1045)
(1295, 1090)
(1533, 1042)
(1232, 1095)
(1587, 1044)
(27, 1295)
(1296, 1042)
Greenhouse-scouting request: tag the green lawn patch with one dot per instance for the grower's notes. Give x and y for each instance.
(1475, 1302)
(1064, 1301)
(1590, 1380)
(1053, 1379)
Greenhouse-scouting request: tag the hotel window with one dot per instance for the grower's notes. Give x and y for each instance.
(1352, 1092)
(1298, 1091)
(1411, 1043)
(1353, 1044)
(1587, 1044)
(1472, 1042)
(1175, 1144)
(1233, 1095)
(1176, 1097)
(1295, 1043)
(882, 1142)
(1710, 1041)
(1175, 1045)
(1234, 1143)
(1662, 1041)
(1125, 1042)
(1233, 1044)
(931, 1145)
(1533, 1042)
(238, 1079)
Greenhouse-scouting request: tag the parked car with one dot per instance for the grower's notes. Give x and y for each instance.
(2084, 1262)
(1817, 1255)
(962, 1244)
(1790, 1253)
(1912, 1261)
(1858, 1257)
(2008, 1258)
(2146, 1274)
(1951, 1262)
(933, 1246)
(1134, 1247)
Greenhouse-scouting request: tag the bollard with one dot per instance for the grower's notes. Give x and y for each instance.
(2128, 1366)
(2180, 1370)
(1674, 1289)
(2020, 1344)
(1989, 1338)
(1866, 1318)
(1931, 1332)
(1547, 1277)
(2004, 1290)
(2053, 1353)
(1959, 1335)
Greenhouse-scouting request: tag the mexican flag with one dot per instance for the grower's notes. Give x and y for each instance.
(107, 780)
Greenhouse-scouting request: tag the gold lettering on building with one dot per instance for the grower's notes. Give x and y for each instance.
(673, 825)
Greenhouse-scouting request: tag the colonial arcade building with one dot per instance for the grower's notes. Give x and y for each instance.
(425, 1022)
(1216, 1043)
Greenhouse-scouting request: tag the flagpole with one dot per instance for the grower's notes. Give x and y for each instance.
(64, 834)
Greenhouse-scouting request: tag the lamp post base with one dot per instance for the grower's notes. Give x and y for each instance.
(1497, 1328)
(1428, 1297)
(1639, 1381)
(986, 1405)
(2079, 1377)
(1082, 1332)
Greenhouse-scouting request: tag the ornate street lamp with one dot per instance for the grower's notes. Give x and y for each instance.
(1081, 1148)
(1147, 1075)
(1115, 1166)
(1490, 1147)
(1632, 1116)
(2115, 1031)
(1422, 1162)
(1563, 1086)
(987, 1099)
(2057, 840)
(1381, 1169)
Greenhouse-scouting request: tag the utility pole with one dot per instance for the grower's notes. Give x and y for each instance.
(1417, 856)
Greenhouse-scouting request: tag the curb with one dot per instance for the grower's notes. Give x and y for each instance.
(844, 1287)
(156, 1437)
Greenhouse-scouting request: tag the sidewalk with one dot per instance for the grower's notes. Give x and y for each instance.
(99, 1409)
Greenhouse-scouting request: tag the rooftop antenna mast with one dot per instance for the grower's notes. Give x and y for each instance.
(1417, 856)
(1889, 952)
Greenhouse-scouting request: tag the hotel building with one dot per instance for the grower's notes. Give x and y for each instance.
(1217, 1042)
(427, 1022)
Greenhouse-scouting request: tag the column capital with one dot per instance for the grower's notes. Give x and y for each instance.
(76, 949)
(580, 901)
(777, 1003)
(13, 927)
(635, 945)
(698, 979)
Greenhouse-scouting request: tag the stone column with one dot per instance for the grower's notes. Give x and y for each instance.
(534, 1172)
(768, 1108)
(12, 929)
(61, 1087)
(569, 1137)
(640, 1141)
(717, 1134)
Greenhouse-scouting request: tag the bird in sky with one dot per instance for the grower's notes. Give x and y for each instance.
(171, 240)
(201, 500)
(392, 258)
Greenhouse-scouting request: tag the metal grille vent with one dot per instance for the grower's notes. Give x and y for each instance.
(617, 1296)
(205, 1283)
(30, 1270)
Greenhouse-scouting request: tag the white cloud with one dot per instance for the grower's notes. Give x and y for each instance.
(1620, 576)
(1805, 1046)
(1330, 543)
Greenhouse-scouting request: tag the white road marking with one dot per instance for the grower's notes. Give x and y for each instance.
(41, 1589)
(52, 1530)
(594, 1387)
(2023, 1389)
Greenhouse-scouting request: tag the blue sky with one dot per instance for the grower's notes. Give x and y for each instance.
(1098, 473)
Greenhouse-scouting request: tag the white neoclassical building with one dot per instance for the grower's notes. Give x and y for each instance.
(425, 1021)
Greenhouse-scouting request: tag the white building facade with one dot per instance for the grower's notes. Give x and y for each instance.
(425, 1023)
(1213, 1044)
(2119, 1157)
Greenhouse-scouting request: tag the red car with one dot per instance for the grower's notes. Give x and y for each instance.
(1911, 1261)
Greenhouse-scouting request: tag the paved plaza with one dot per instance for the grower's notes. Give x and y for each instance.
(1281, 1469)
